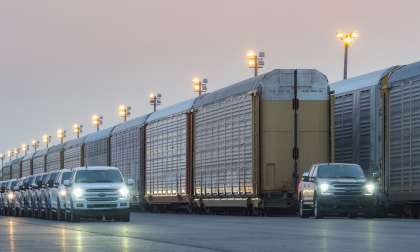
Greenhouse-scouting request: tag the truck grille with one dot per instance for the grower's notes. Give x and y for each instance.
(347, 189)
(102, 190)
(105, 196)
(101, 205)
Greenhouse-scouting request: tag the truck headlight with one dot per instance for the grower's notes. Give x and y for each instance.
(370, 189)
(124, 191)
(63, 193)
(10, 195)
(77, 192)
(324, 188)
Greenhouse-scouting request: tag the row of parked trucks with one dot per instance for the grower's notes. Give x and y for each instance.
(246, 146)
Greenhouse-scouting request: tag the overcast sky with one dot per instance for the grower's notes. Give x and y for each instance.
(62, 61)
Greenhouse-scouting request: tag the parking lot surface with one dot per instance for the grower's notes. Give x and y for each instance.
(177, 232)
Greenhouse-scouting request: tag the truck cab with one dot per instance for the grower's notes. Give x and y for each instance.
(336, 188)
(97, 191)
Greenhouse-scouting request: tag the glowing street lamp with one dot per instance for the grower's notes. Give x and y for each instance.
(155, 100)
(35, 144)
(10, 154)
(24, 148)
(347, 39)
(46, 139)
(16, 152)
(255, 61)
(124, 111)
(77, 129)
(61, 134)
(97, 121)
(200, 86)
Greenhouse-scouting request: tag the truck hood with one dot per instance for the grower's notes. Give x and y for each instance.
(85, 186)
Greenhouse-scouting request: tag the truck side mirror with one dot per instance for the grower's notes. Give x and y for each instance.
(130, 181)
(66, 182)
(305, 177)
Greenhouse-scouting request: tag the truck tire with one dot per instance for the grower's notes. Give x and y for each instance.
(318, 213)
(302, 212)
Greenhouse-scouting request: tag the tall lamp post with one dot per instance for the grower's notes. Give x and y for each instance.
(61, 134)
(24, 148)
(255, 61)
(124, 111)
(35, 144)
(10, 154)
(155, 100)
(77, 129)
(347, 39)
(2, 157)
(200, 86)
(46, 139)
(16, 152)
(97, 121)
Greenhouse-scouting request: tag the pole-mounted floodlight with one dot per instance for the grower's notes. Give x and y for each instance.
(255, 61)
(77, 129)
(46, 139)
(347, 39)
(155, 100)
(200, 86)
(35, 144)
(97, 121)
(61, 134)
(10, 154)
(124, 111)
(2, 157)
(24, 148)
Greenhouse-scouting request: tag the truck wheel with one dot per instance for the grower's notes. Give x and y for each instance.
(302, 212)
(318, 213)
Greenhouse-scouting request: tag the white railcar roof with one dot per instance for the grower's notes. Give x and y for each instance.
(136, 122)
(171, 110)
(102, 134)
(406, 72)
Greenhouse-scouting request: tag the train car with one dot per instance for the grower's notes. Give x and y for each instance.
(27, 165)
(6, 171)
(54, 160)
(39, 161)
(128, 154)
(357, 116)
(73, 154)
(97, 148)
(16, 168)
(377, 125)
(253, 139)
(168, 156)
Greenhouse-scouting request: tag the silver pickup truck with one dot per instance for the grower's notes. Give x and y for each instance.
(334, 188)
(97, 191)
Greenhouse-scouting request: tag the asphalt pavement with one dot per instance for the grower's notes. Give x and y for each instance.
(178, 232)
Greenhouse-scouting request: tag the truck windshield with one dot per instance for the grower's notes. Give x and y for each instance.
(98, 176)
(340, 171)
(66, 176)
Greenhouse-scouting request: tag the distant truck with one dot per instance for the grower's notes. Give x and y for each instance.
(97, 191)
(335, 188)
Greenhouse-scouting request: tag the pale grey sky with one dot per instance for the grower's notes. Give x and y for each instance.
(62, 61)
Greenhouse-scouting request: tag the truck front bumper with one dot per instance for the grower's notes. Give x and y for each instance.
(336, 204)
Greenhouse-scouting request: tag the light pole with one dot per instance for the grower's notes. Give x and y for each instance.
(124, 111)
(35, 144)
(46, 139)
(24, 148)
(155, 100)
(2, 157)
(255, 61)
(16, 152)
(347, 39)
(10, 154)
(77, 129)
(200, 86)
(97, 121)
(61, 134)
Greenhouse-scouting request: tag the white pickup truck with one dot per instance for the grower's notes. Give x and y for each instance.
(97, 191)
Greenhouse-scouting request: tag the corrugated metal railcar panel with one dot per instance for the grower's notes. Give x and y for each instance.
(166, 161)
(16, 169)
(126, 149)
(73, 157)
(97, 153)
(38, 164)
(54, 161)
(6, 173)
(26, 167)
(344, 128)
(223, 153)
(364, 138)
(404, 136)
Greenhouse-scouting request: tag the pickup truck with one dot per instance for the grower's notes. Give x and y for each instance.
(97, 191)
(335, 188)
